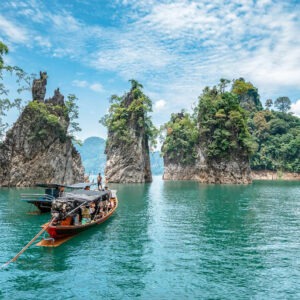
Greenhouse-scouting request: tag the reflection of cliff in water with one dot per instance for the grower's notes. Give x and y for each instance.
(228, 229)
(130, 231)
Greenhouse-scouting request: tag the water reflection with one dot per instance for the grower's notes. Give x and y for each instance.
(182, 240)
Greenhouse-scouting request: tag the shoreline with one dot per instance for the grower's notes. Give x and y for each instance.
(274, 175)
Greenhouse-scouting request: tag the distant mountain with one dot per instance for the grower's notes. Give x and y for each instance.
(94, 159)
(92, 155)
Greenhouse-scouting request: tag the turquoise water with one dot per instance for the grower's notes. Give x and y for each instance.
(168, 240)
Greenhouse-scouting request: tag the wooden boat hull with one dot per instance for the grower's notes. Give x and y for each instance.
(63, 231)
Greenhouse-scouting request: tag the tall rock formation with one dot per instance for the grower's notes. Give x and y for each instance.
(235, 170)
(37, 147)
(213, 147)
(127, 145)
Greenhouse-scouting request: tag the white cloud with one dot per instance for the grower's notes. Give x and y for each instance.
(96, 87)
(80, 83)
(12, 31)
(159, 105)
(175, 48)
(43, 42)
(295, 108)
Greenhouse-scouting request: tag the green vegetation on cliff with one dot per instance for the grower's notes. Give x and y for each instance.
(22, 80)
(219, 125)
(181, 138)
(44, 118)
(235, 122)
(278, 137)
(223, 124)
(130, 111)
(247, 95)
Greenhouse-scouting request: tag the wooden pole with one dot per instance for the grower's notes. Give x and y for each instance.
(27, 246)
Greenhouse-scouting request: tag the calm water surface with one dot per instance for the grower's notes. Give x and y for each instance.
(168, 240)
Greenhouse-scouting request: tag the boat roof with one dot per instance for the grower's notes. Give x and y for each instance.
(83, 196)
(78, 185)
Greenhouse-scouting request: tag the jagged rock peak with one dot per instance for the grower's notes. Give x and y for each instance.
(127, 146)
(57, 99)
(37, 148)
(39, 87)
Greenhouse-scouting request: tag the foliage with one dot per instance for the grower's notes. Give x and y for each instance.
(72, 111)
(44, 119)
(283, 104)
(269, 103)
(23, 81)
(247, 95)
(223, 124)
(278, 137)
(181, 138)
(130, 111)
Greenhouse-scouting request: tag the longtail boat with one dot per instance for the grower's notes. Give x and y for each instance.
(52, 191)
(78, 211)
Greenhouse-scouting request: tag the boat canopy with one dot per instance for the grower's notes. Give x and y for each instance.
(79, 185)
(50, 185)
(85, 196)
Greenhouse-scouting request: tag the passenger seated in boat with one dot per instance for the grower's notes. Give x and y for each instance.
(92, 210)
(107, 190)
(111, 204)
(101, 213)
(86, 217)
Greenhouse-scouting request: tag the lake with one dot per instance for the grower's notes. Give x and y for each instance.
(168, 240)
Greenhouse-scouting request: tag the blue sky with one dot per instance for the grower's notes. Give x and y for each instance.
(174, 48)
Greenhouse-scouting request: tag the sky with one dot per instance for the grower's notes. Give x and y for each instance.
(91, 48)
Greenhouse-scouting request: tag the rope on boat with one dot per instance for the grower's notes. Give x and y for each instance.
(28, 245)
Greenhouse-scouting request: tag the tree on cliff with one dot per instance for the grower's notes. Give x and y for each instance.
(283, 104)
(278, 137)
(269, 103)
(130, 131)
(22, 80)
(180, 137)
(223, 123)
(247, 95)
(130, 109)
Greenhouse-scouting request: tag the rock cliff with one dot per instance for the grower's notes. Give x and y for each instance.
(211, 146)
(37, 147)
(231, 171)
(127, 147)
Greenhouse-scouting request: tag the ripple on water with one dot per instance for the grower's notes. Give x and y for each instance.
(168, 240)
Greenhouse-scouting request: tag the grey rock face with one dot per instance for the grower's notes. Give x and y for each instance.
(128, 163)
(57, 99)
(39, 87)
(235, 170)
(36, 151)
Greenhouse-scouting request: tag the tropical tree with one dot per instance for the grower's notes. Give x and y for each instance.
(132, 108)
(73, 114)
(247, 95)
(180, 138)
(23, 81)
(283, 104)
(223, 124)
(269, 103)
